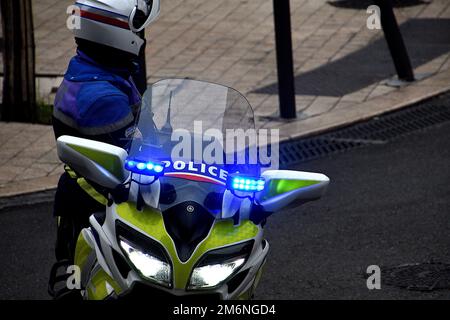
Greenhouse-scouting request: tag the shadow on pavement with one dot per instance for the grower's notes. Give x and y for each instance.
(426, 39)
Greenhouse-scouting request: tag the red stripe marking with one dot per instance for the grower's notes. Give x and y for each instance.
(104, 19)
(192, 177)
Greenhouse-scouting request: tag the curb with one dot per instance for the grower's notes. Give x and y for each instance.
(398, 99)
(27, 188)
(27, 199)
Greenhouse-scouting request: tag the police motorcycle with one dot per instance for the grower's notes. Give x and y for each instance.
(186, 209)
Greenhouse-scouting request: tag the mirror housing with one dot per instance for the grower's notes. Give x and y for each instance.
(290, 188)
(99, 162)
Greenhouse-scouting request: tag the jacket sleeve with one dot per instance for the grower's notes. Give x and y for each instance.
(113, 120)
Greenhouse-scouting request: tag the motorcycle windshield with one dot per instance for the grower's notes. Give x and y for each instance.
(200, 132)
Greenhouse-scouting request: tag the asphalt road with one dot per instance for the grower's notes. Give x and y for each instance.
(387, 205)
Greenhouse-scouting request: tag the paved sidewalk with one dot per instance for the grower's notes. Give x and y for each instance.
(340, 66)
(28, 160)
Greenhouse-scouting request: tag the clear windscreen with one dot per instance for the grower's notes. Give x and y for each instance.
(201, 132)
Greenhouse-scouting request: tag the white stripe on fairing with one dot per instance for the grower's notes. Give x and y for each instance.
(193, 174)
(103, 10)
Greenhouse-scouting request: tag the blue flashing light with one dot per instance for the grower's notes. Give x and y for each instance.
(245, 183)
(144, 167)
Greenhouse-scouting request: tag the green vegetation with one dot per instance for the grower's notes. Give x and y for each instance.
(44, 114)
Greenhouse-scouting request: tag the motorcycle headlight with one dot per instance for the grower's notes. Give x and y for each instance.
(212, 275)
(148, 265)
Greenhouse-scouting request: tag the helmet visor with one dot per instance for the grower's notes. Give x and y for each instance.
(144, 12)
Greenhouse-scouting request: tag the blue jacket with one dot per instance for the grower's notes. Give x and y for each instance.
(95, 100)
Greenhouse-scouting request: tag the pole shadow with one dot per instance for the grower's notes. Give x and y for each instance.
(425, 39)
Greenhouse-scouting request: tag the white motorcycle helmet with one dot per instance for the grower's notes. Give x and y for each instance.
(116, 23)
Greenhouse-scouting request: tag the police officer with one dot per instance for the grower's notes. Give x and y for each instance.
(97, 99)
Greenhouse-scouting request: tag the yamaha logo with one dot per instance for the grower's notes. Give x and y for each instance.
(190, 208)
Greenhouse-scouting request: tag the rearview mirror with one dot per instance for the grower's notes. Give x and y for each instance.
(99, 162)
(290, 188)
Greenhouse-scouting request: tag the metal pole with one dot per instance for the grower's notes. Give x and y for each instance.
(395, 41)
(285, 64)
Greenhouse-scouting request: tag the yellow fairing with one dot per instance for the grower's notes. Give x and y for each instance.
(101, 286)
(151, 222)
(82, 251)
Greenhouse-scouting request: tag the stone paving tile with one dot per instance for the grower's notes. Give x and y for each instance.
(434, 65)
(359, 96)
(23, 162)
(10, 171)
(379, 90)
(58, 170)
(344, 104)
(319, 106)
(9, 153)
(28, 174)
(50, 157)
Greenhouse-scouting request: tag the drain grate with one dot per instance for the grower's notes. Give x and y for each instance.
(378, 130)
(364, 4)
(419, 276)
